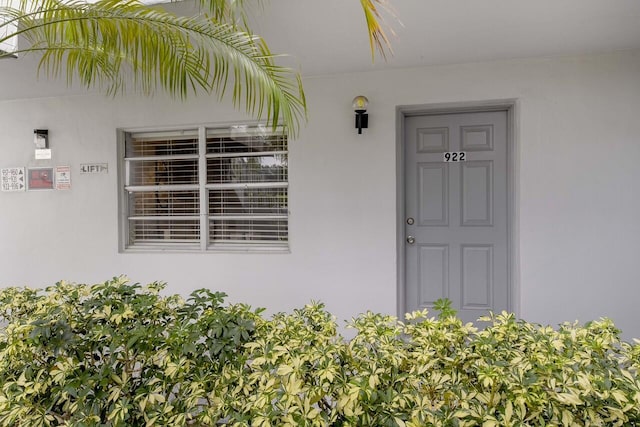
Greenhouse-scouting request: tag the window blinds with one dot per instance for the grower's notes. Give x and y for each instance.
(231, 188)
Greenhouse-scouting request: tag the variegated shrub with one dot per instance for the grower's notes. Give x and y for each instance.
(120, 354)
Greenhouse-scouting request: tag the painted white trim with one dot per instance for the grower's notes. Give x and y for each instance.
(123, 227)
(511, 106)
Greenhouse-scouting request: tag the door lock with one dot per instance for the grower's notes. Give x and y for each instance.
(411, 240)
(410, 221)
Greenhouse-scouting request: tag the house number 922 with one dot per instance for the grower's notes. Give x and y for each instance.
(455, 156)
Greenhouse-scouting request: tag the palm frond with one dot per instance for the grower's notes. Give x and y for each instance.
(230, 11)
(118, 45)
(375, 26)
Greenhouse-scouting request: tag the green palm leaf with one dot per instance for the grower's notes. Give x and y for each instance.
(375, 25)
(123, 45)
(120, 45)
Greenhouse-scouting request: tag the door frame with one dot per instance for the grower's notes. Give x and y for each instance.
(513, 265)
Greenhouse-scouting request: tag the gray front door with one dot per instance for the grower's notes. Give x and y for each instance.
(456, 225)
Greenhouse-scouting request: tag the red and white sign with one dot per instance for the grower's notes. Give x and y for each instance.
(63, 177)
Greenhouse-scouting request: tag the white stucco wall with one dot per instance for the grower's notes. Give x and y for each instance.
(578, 198)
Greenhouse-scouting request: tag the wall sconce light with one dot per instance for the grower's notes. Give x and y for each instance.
(360, 107)
(41, 141)
(41, 138)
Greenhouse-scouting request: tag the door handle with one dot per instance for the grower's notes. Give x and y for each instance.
(411, 240)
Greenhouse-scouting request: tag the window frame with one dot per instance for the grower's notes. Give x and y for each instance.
(204, 242)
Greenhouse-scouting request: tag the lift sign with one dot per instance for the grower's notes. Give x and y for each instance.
(94, 168)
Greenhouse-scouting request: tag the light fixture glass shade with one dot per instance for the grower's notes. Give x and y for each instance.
(360, 103)
(8, 45)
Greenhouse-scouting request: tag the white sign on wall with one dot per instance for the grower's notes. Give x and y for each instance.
(43, 154)
(12, 179)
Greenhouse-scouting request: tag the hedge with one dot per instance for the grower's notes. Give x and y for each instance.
(122, 354)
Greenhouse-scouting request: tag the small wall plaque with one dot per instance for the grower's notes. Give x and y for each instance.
(43, 154)
(40, 178)
(94, 168)
(454, 156)
(63, 178)
(12, 179)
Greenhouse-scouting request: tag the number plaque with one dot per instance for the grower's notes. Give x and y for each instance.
(455, 156)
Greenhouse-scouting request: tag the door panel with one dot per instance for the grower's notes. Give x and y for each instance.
(477, 276)
(477, 138)
(459, 212)
(433, 265)
(477, 193)
(433, 194)
(433, 140)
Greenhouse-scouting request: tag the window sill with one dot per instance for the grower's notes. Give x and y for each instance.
(213, 249)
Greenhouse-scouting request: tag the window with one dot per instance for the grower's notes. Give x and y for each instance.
(205, 189)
